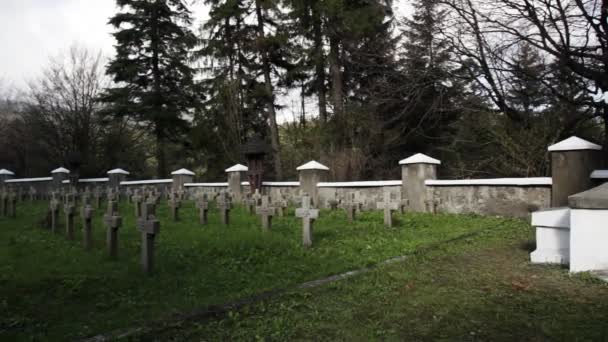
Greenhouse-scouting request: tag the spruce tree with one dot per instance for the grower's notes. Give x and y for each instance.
(154, 82)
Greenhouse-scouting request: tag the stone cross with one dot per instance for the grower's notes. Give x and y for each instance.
(129, 194)
(358, 201)
(267, 212)
(113, 221)
(225, 205)
(112, 196)
(332, 203)
(149, 227)
(137, 200)
(97, 196)
(308, 215)
(388, 207)
(12, 200)
(69, 209)
(203, 206)
(403, 205)
(54, 208)
(181, 193)
(280, 205)
(250, 202)
(86, 212)
(4, 203)
(32, 194)
(350, 206)
(175, 203)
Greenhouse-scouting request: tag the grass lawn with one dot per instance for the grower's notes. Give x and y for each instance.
(51, 289)
(480, 288)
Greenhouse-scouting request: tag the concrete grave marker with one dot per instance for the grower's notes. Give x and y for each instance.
(87, 218)
(175, 203)
(350, 207)
(4, 203)
(137, 200)
(332, 203)
(32, 194)
(388, 207)
(280, 204)
(266, 212)
(308, 215)
(12, 201)
(113, 221)
(224, 204)
(149, 227)
(203, 206)
(69, 209)
(97, 196)
(54, 208)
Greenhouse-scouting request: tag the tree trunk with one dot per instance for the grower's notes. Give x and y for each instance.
(161, 159)
(272, 117)
(319, 66)
(336, 78)
(158, 102)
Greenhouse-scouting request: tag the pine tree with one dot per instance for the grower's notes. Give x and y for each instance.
(527, 92)
(433, 89)
(154, 80)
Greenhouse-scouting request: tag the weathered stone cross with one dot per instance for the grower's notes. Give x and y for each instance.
(388, 207)
(113, 221)
(266, 212)
(87, 217)
(54, 207)
(4, 202)
(32, 194)
(137, 200)
(281, 205)
(308, 215)
(203, 206)
(149, 227)
(97, 195)
(350, 206)
(332, 203)
(224, 204)
(12, 200)
(175, 203)
(69, 209)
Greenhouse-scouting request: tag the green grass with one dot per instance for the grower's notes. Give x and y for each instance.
(51, 289)
(481, 288)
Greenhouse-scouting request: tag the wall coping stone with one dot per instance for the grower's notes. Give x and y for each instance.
(149, 181)
(532, 181)
(25, 180)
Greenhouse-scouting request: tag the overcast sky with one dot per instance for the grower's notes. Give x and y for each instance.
(32, 31)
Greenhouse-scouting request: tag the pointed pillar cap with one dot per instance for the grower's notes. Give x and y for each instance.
(6, 172)
(312, 165)
(574, 144)
(61, 170)
(237, 168)
(420, 158)
(183, 172)
(118, 172)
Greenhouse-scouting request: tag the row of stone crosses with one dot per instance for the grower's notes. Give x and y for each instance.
(145, 202)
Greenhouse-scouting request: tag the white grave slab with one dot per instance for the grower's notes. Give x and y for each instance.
(552, 236)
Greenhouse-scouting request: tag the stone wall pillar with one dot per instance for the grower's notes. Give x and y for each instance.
(310, 175)
(116, 176)
(181, 177)
(59, 175)
(572, 162)
(5, 175)
(236, 175)
(415, 170)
